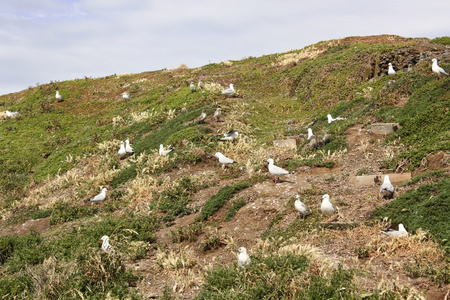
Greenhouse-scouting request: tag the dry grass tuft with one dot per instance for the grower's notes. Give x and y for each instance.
(295, 58)
(181, 258)
(213, 87)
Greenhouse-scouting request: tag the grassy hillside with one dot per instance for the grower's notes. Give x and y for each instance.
(57, 154)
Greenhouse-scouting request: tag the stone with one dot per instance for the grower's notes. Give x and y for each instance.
(384, 128)
(286, 143)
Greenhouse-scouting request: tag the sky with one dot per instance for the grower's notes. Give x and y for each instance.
(57, 40)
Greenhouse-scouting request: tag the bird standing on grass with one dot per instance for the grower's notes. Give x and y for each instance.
(105, 245)
(202, 117)
(243, 257)
(387, 189)
(58, 96)
(122, 152)
(391, 71)
(128, 148)
(100, 197)
(327, 207)
(217, 114)
(276, 171)
(223, 159)
(301, 207)
(229, 91)
(200, 84)
(310, 133)
(436, 69)
(192, 87)
(125, 96)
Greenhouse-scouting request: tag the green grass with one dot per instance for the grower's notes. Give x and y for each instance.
(234, 208)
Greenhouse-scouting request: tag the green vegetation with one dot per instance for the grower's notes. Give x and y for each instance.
(237, 204)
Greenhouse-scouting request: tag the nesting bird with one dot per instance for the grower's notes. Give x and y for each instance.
(100, 197)
(223, 159)
(229, 91)
(436, 69)
(58, 96)
(11, 114)
(122, 152)
(276, 171)
(301, 207)
(105, 245)
(243, 257)
(128, 148)
(401, 232)
(327, 207)
(164, 152)
(125, 96)
(391, 71)
(331, 119)
(192, 87)
(230, 135)
(387, 189)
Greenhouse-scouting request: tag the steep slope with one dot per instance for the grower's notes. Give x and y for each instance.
(174, 219)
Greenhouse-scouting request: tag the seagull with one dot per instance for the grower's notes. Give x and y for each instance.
(230, 135)
(310, 133)
(202, 116)
(122, 152)
(125, 96)
(11, 114)
(192, 87)
(387, 189)
(99, 197)
(164, 152)
(223, 159)
(391, 71)
(276, 171)
(331, 119)
(128, 148)
(200, 84)
(58, 96)
(217, 114)
(105, 245)
(243, 258)
(327, 207)
(229, 91)
(436, 69)
(313, 142)
(401, 232)
(301, 207)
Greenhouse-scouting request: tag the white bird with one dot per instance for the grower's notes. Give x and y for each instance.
(164, 152)
(128, 148)
(223, 159)
(276, 171)
(99, 197)
(331, 119)
(310, 133)
(301, 207)
(122, 152)
(327, 207)
(11, 114)
(230, 135)
(217, 114)
(192, 87)
(243, 257)
(105, 245)
(125, 96)
(391, 71)
(436, 69)
(200, 84)
(58, 96)
(229, 91)
(401, 232)
(387, 189)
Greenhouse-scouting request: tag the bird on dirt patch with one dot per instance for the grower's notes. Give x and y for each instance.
(331, 119)
(229, 91)
(105, 245)
(327, 207)
(391, 71)
(217, 114)
(100, 197)
(401, 232)
(128, 148)
(223, 159)
(164, 152)
(58, 96)
(387, 189)
(122, 152)
(231, 135)
(243, 257)
(438, 70)
(277, 171)
(192, 87)
(125, 96)
(301, 207)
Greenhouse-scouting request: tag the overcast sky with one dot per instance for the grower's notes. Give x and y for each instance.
(56, 40)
